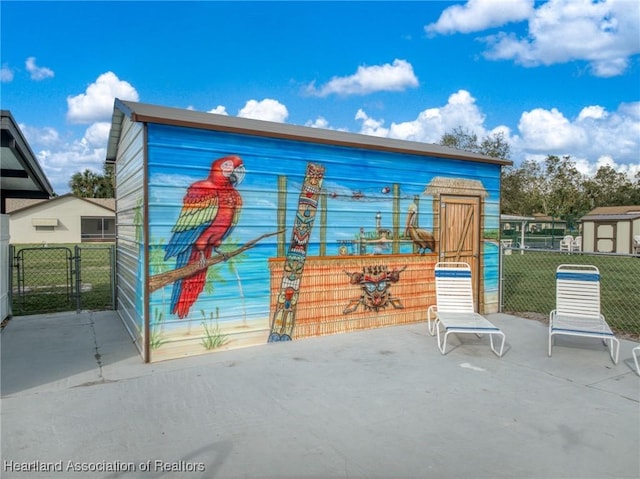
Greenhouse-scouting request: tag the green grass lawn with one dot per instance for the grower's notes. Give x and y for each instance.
(529, 285)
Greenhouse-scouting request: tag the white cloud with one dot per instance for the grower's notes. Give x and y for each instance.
(97, 135)
(320, 122)
(37, 73)
(596, 135)
(219, 110)
(549, 130)
(371, 126)
(6, 74)
(460, 111)
(96, 104)
(388, 77)
(61, 158)
(478, 15)
(595, 112)
(267, 109)
(605, 34)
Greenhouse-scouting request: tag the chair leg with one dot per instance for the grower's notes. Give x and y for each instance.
(499, 354)
(635, 352)
(441, 345)
(614, 344)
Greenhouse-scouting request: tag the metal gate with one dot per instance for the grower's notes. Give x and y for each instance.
(54, 279)
(42, 280)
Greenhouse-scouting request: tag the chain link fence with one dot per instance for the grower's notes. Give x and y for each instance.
(528, 285)
(47, 279)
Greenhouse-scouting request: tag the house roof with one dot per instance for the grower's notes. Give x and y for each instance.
(515, 218)
(546, 218)
(16, 205)
(21, 175)
(145, 113)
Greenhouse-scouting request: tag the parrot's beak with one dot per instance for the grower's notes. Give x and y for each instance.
(237, 176)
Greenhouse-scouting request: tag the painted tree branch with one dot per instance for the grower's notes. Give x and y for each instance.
(157, 281)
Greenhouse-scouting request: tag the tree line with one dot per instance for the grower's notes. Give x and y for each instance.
(553, 187)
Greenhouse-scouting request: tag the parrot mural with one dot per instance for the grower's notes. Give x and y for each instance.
(210, 211)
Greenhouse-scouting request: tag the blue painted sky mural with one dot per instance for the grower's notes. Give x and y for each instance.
(358, 185)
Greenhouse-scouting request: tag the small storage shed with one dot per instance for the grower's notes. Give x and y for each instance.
(234, 232)
(611, 229)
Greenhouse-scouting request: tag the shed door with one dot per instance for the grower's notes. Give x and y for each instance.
(460, 234)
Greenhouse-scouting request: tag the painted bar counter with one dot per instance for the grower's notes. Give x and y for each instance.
(234, 232)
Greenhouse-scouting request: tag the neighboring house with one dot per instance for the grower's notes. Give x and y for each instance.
(20, 177)
(65, 219)
(544, 224)
(610, 229)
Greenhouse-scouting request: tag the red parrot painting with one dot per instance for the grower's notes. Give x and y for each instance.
(210, 210)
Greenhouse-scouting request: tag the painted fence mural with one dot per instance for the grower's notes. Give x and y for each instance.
(255, 240)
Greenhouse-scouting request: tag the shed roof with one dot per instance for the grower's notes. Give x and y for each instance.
(146, 113)
(613, 213)
(615, 210)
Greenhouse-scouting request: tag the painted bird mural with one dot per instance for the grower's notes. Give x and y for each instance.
(210, 210)
(421, 238)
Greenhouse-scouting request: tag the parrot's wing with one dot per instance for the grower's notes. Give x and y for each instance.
(236, 214)
(199, 209)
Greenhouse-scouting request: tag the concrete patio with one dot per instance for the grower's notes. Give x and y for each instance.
(77, 401)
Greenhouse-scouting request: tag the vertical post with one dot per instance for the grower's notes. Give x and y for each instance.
(395, 246)
(282, 213)
(323, 225)
(501, 276)
(112, 274)
(78, 278)
(284, 316)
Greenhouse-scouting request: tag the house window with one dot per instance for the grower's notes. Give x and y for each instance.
(97, 229)
(45, 228)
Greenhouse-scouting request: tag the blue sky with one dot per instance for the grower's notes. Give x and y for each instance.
(560, 77)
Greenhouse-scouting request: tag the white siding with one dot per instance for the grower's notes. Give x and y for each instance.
(28, 225)
(130, 250)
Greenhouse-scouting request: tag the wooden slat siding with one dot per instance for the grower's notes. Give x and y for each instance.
(325, 292)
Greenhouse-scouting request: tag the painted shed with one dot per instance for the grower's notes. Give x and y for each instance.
(234, 232)
(612, 229)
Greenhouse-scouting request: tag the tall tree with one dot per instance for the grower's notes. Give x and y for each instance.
(84, 184)
(494, 145)
(88, 184)
(609, 187)
(522, 189)
(563, 190)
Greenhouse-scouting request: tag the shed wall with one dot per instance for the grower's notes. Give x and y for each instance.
(363, 196)
(130, 250)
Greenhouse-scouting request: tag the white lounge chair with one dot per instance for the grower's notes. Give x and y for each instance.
(636, 244)
(565, 243)
(636, 352)
(577, 310)
(454, 310)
